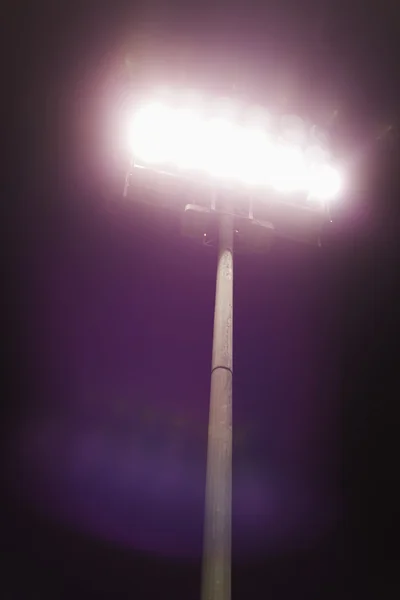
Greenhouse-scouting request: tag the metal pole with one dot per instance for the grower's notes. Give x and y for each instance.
(216, 576)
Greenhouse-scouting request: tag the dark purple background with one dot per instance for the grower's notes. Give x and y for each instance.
(112, 315)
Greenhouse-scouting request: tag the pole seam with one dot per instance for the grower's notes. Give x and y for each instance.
(222, 367)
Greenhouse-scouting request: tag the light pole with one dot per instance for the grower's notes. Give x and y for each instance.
(163, 137)
(216, 575)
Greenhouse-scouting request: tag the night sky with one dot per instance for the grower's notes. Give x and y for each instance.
(109, 312)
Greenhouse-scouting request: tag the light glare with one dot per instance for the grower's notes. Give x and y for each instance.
(220, 149)
(255, 152)
(186, 147)
(326, 183)
(151, 133)
(184, 138)
(289, 170)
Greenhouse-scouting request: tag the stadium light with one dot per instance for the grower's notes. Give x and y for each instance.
(187, 139)
(216, 142)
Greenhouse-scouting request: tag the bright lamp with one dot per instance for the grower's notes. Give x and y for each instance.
(186, 139)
